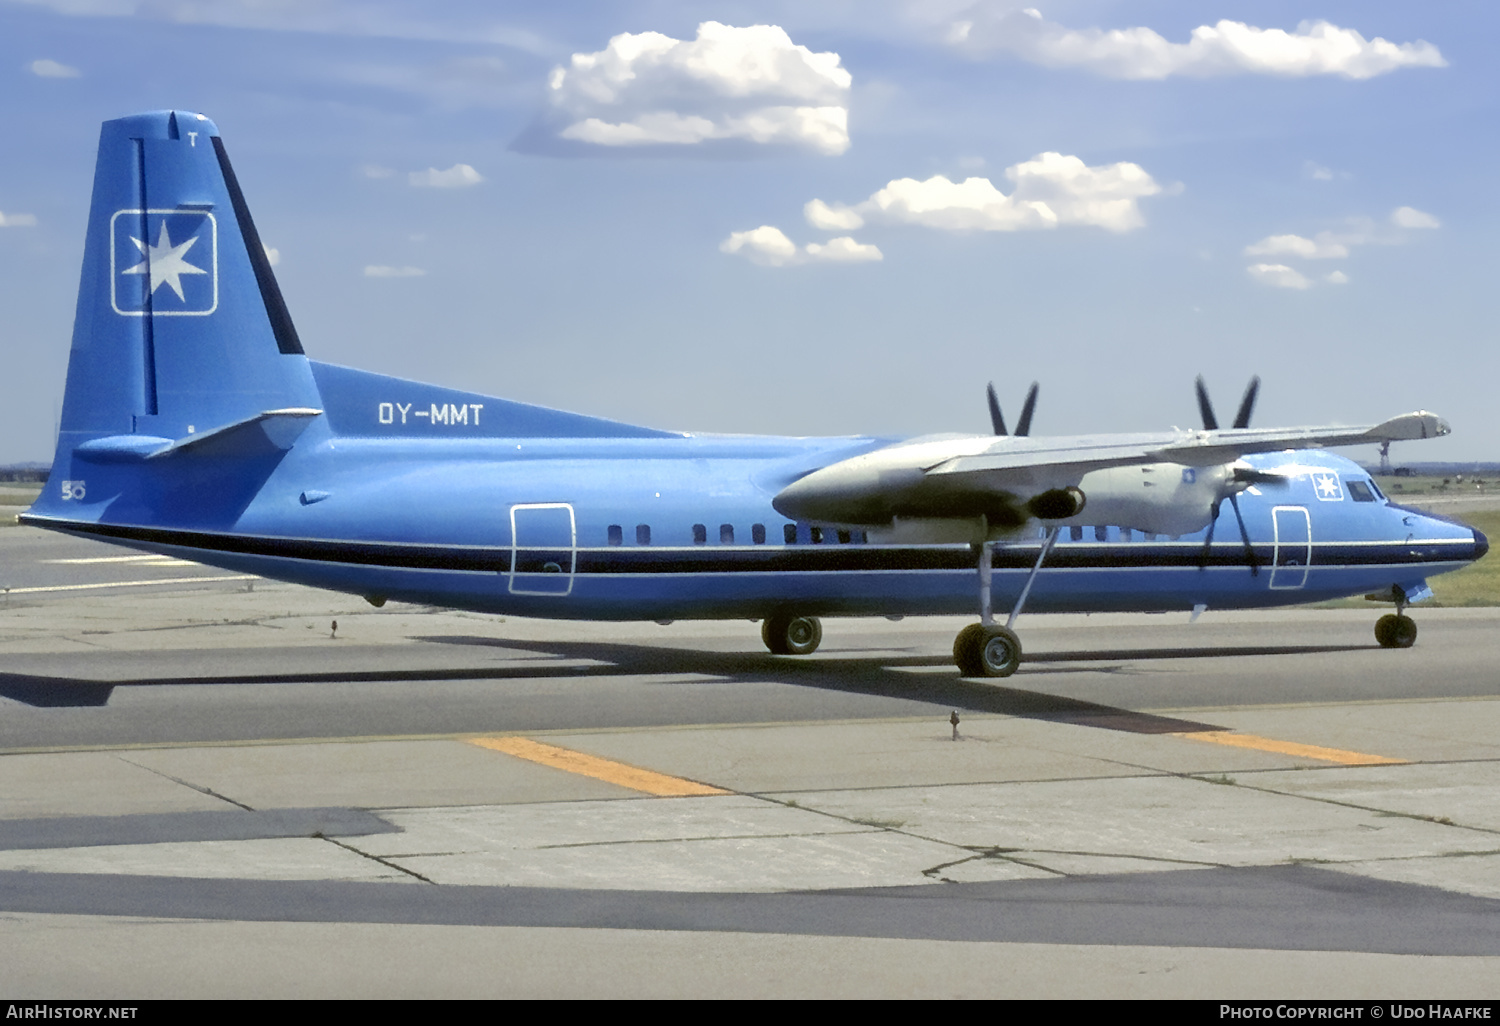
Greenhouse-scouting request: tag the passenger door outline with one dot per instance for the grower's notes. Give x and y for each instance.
(1292, 554)
(543, 548)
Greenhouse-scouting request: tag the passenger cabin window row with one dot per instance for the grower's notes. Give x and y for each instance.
(793, 534)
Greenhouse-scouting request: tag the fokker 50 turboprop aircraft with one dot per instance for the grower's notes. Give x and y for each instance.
(193, 425)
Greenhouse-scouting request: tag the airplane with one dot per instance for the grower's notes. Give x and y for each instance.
(194, 425)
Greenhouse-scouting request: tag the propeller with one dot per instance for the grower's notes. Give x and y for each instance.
(1241, 417)
(997, 419)
(1241, 476)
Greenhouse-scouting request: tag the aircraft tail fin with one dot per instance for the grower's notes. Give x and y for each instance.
(180, 326)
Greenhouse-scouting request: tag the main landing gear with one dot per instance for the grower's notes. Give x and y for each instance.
(1396, 630)
(986, 649)
(785, 634)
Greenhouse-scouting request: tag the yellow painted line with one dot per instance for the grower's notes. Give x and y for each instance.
(128, 584)
(608, 770)
(1266, 744)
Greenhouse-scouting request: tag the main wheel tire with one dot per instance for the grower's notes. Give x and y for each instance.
(966, 650)
(982, 650)
(1393, 631)
(791, 635)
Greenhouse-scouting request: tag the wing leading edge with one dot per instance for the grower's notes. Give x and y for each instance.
(1008, 480)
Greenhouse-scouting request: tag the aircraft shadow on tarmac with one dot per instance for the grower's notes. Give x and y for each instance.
(879, 673)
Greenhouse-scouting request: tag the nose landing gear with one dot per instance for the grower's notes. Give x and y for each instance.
(1396, 630)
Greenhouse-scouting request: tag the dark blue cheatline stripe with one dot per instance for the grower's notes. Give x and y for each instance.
(825, 558)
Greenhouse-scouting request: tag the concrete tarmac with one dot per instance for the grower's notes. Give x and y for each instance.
(206, 790)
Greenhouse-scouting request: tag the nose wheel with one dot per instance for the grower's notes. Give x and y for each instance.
(1396, 630)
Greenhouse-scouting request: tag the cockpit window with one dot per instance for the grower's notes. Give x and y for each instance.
(1378, 493)
(1360, 491)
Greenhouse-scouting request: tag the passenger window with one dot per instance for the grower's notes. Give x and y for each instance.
(860, 538)
(1075, 533)
(789, 532)
(758, 533)
(726, 534)
(1125, 534)
(1101, 534)
(616, 535)
(843, 537)
(700, 534)
(643, 534)
(817, 535)
(1360, 490)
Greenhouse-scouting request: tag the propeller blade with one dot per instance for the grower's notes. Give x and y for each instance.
(1234, 500)
(1248, 476)
(1206, 408)
(1208, 539)
(996, 419)
(1247, 404)
(1024, 427)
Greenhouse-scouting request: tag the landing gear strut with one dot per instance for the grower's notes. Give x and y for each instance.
(986, 649)
(1396, 630)
(785, 634)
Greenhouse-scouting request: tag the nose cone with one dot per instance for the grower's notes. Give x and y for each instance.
(1481, 544)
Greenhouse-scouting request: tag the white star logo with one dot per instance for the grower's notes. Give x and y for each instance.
(165, 262)
(1327, 486)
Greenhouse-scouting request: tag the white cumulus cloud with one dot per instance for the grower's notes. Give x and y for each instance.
(45, 68)
(1336, 278)
(1325, 246)
(1279, 275)
(764, 245)
(838, 218)
(17, 220)
(1224, 48)
(456, 177)
(844, 250)
(746, 85)
(1410, 217)
(1050, 190)
(385, 271)
(769, 247)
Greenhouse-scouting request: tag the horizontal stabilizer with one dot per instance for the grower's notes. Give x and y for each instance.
(121, 448)
(262, 435)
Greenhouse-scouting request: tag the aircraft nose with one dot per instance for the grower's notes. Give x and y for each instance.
(1481, 544)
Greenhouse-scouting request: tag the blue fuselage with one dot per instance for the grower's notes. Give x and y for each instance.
(683, 527)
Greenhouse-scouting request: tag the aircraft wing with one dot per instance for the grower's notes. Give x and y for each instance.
(1193, 449)
(1009, 478)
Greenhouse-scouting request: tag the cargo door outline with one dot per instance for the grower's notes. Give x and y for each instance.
(1292, 555)
(543, 548)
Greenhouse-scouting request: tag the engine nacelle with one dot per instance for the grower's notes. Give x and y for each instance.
(1158, 498)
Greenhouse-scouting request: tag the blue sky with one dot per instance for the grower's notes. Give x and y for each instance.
(608, 207)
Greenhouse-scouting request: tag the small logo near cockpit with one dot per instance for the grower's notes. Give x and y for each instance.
(1326, 484)
(165, 262)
